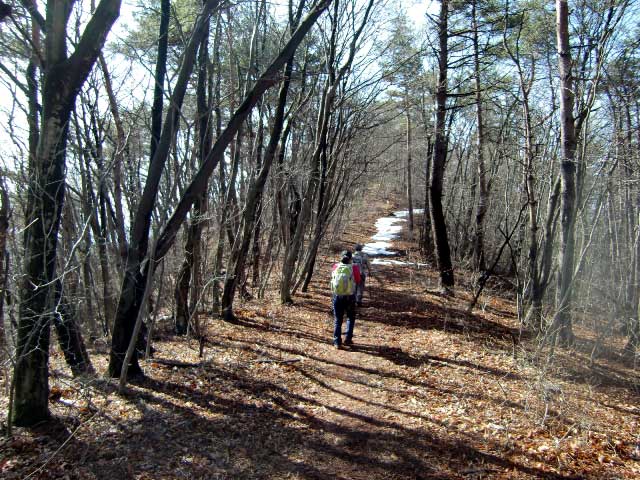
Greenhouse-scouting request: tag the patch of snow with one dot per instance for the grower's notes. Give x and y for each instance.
(405, 213)
(378, 249)
(388, 229)
(379, 261)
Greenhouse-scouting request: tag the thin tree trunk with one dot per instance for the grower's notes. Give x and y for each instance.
(257, 230)
(409, 167)
(4, 228)
(318, 177)
(87, 285)
(131, 292)
(188, 278)
(483, 200)
(118, 159)
(254, 194)
(427, 239)
(69, 336)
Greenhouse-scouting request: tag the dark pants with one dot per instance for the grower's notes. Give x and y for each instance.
(360, 288)
(343, 304)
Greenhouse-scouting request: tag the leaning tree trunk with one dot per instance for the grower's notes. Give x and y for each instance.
(63, 77)
(254, 195)
(320, 153)
(134, 280)
(266, 80)
(443, 252)
(562, 321)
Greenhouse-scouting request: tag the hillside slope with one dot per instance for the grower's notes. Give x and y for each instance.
(428, 391)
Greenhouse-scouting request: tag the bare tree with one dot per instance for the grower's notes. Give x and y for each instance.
(63, 75)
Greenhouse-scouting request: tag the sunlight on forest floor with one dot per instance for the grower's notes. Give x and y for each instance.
(427, 391)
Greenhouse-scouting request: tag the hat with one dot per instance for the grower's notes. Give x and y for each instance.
(358, 247)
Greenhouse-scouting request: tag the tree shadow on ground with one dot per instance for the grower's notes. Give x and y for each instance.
(400, 357)
(335, 368)
(602, 376)
(411, 311)
(254, 428)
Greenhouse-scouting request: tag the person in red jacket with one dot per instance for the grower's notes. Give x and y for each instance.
(345, 303)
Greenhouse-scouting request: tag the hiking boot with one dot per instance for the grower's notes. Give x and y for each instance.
(348, 343)
(337, 346)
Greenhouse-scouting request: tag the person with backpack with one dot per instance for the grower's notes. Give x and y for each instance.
(344, 278)
(361, 259)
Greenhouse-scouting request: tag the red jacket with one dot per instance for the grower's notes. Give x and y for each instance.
(354, 268)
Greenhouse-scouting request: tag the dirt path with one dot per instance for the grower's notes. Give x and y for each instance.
(381, 409)
(428, 391)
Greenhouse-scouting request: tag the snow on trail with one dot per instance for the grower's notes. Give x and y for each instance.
(388, 229)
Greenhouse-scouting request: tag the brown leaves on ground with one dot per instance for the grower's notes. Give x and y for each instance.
(428, 391)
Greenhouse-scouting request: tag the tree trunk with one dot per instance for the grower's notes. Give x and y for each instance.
(69, 335)
(87, 285)
(160, 73)
(634, 328)
(409, 168)
(562, 321)
(318, 177)
(255, 192)
(443, 253)
(120, 148)
(427, 240)
(188, 278)
(4, 228)
(257, 229)
(134, 279)
(219, 253)
(483, 200)
(537, 285)
(63, 77)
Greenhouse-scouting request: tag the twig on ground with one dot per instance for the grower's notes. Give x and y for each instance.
(41, 467)
(273, 360)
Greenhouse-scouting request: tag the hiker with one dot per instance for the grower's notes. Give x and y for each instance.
(344, 278)
(362, 260)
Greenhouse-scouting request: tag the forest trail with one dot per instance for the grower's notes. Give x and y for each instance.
(428, 391)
